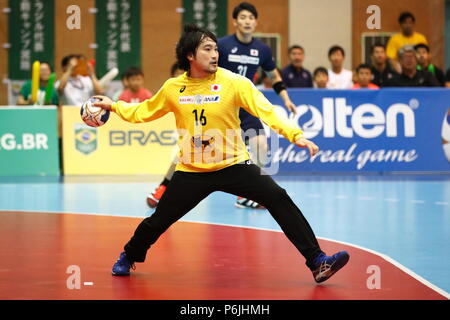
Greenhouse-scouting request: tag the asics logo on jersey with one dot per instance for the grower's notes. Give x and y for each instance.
(182, 89)
(234, 50)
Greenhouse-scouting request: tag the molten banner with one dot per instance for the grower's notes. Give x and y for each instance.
(384, 130)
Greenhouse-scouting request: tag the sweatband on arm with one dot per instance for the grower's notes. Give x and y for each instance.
(278, 87)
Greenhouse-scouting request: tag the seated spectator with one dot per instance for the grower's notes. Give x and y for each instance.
(382, 71)
(320, 78)
(424, 62)
(135, 92)
(339, 78)
(364, 78)
(294, 75)
(78, 82)
(407, 36)
(45, 71)
(410, 76)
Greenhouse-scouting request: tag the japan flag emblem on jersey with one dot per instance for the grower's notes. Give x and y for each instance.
(215, 87)
(253, 52)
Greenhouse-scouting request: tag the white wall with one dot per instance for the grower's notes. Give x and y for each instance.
(316, 25)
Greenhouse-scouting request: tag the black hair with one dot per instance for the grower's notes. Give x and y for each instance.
(47, 63)
(66, 59)
(189, 43)
(320, 70)
(405, 15)
(245, 6)
(363, 66)
(295, 46)
(174, 68)
(422, 45)
(377, 45)
(334, 49)
(133, 71)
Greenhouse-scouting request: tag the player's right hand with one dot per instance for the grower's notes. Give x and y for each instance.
(104, 103)
(305, 143)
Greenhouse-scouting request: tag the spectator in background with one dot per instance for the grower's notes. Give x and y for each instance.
(294, 75)
(339, 78)
(175, 70)
(135, 93)
(124, 81)
(410, 76)
(321, 78)
(382, 71)
(265, 82)
(364, 77)
(78, 82)
(424, 62)
(447, 78)
(407, 36)
(45, 71)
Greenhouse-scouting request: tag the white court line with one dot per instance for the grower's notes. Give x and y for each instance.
(80, 213)
(383, 256)
(398, 265)
(391, 200)
(439, 203)
(418, 201)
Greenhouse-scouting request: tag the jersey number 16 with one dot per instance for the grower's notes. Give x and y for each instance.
(201, 119)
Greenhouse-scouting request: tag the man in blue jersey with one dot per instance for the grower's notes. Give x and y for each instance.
(244, 54)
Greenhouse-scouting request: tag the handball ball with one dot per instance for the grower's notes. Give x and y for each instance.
(93, 116)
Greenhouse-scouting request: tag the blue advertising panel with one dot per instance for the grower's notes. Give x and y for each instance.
(388, 130)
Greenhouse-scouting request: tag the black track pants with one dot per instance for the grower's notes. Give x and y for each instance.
(187, 189)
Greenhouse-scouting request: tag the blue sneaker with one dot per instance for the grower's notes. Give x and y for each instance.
(326, 266)
(122, 266)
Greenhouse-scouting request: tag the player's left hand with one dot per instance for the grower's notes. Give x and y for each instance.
(305, 143)
(291, 107)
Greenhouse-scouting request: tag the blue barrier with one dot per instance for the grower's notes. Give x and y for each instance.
(388, 130)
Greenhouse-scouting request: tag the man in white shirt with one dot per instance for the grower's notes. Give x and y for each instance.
(78, 82)
(339, 78)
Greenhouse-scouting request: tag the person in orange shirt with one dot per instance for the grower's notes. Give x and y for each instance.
(407, 36)
(135, 92)
(364, 77)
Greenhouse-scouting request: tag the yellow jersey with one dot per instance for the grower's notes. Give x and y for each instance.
(207, 117)
(398, 41)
